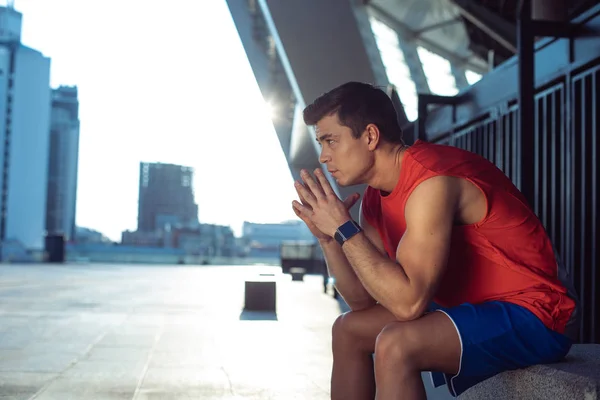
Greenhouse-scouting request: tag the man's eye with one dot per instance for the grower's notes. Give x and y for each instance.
(331, 141)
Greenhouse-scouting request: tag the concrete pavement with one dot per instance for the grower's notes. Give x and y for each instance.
(159, 332)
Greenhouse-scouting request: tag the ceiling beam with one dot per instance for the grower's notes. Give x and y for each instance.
(407, 33)
(493, 25)
(438, 25)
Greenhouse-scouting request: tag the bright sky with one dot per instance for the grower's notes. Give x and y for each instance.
(162, 81)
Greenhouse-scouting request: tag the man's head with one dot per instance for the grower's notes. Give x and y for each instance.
(351, 122)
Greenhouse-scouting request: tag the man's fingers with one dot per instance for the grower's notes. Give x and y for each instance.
(302, 199)
(306, 196)
(300, 210)
(314, 186)
(351, 200)
(327, 189)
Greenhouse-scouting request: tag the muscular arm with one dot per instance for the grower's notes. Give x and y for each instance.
(407, 285)
(346, 280)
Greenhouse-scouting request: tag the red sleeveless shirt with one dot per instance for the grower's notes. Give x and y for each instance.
(507, 256)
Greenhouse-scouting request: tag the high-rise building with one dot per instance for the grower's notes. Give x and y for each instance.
(166, 196)
(62, 168)
(24, 138)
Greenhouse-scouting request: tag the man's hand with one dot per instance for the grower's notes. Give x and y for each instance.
(320, 205)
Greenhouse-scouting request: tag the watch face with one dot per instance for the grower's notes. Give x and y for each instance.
(347, 230)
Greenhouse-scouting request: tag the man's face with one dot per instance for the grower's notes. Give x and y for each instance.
(347, 158)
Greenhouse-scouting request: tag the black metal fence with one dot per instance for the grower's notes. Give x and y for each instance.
(559, 169)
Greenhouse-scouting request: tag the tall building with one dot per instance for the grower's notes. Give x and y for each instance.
(24, 138)
(166, 196)
(62, 168)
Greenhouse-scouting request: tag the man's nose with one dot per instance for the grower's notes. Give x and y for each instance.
(324, 157)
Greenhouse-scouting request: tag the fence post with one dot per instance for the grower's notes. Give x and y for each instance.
(525, 161)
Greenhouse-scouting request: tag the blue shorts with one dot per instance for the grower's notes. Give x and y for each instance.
(495, 337)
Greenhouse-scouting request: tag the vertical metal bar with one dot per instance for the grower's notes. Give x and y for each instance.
(566, 182)
(581, 217)
(515, 138)
(526, 100)
(492, 149)
(468, 139)
(544, 135)
(485, 132)
(556, 184)
(536, 132)
(567, 161)
(506, 143)
(499, 143)
(594, 208)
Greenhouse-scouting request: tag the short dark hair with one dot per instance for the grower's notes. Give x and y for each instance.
(357, 105)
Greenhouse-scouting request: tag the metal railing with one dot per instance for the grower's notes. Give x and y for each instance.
(550, 152)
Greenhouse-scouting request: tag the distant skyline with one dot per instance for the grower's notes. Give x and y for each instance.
(162, 82)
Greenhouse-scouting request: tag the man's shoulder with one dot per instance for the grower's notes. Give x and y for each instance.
(434, 156)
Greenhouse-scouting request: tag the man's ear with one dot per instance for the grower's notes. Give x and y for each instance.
(372, 136)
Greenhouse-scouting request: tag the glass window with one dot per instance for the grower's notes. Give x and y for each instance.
(438, 72)
(472, 76)
(396, 69)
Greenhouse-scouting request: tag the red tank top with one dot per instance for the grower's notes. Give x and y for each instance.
(506, 256)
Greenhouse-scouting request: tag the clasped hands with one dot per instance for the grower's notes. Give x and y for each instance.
(319, 207)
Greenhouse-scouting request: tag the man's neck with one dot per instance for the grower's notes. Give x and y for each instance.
(387, 169)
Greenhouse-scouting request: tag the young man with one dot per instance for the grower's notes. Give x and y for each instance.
(437, 225)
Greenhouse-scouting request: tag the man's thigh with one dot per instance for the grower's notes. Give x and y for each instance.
(428, 343)
(363, 327)
(496, 337)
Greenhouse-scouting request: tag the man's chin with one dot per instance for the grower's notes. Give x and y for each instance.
(342, 182)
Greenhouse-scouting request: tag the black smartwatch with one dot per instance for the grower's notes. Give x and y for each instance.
(346, 231)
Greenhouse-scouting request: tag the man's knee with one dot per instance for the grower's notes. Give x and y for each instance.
(346, 330)
(396, 344)
(340, 330)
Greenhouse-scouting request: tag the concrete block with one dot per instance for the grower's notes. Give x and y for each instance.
(260, 294)
(577, 377)
(297, 274)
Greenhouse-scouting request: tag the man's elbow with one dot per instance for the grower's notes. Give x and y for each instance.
(410, 312)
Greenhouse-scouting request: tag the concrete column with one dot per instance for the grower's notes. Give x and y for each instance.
(268, 71)
(322, 44)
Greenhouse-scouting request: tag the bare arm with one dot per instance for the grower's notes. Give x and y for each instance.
(407, 285)
(346, 280)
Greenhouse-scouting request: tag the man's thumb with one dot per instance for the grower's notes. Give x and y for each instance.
(351, 200)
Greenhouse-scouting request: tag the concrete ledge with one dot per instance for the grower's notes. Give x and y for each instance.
(577, 377)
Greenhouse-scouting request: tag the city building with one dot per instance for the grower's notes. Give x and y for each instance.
(62, 168)
(143, 238)
(201, 240)
(24, 141)
(166, 197)
(264, 240)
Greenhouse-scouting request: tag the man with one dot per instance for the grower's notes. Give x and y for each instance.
(437, 225)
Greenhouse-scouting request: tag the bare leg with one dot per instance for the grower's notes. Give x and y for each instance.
(354, 336)
(404, 349)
